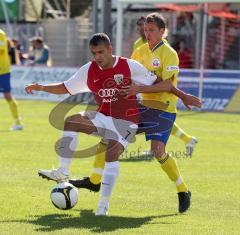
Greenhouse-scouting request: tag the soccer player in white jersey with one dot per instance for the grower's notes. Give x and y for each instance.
(116, 119)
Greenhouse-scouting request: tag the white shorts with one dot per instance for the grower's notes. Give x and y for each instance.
(110, 128)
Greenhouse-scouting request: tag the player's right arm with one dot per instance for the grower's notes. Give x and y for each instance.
(55, 88)
(76, 84)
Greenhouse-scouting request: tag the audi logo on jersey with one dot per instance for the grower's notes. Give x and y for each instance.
(107, 92)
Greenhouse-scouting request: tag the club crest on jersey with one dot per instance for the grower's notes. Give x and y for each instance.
(118, 78)
(155, 62)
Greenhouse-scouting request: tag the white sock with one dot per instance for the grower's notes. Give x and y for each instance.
(67, 146)
(110, 174)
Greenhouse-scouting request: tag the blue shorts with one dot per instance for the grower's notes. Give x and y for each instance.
(156, 124)
(5, 86)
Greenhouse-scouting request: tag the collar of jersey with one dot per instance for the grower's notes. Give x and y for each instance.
(157, 46)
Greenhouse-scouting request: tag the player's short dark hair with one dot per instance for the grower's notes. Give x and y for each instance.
(158, 19)
(140, 20)
(99, 39)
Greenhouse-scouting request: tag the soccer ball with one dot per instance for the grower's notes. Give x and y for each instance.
(64, 196)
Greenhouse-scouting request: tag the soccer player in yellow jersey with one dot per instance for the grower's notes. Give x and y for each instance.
(5, 86)
(190, 141)
(160, 58)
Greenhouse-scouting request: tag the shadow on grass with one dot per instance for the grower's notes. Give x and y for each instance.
(88, 220)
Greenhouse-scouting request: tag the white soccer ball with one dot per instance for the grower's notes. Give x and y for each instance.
(64, 196)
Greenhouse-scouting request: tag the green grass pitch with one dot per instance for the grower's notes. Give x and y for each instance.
(144, 201)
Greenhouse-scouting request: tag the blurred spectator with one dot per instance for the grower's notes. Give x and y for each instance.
(39, 53)
(212, 59)
(31, 49)
(140, 29)
(14, 57)
(185, 27)
(18, 50)
(185, 55)
(175, 42)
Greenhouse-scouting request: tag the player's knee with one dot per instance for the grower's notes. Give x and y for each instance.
(114, 150)
(113, 154)
(72, 122)
(7, 96)
(161, 158)
(158, 153)
(158, 149)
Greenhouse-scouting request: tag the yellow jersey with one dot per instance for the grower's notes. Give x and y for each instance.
(4, 57)
(163, 61)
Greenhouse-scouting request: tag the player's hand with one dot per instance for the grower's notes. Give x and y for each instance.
(31, 87)
(191, 100)
(131, 90)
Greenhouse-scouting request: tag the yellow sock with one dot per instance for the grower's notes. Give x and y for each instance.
(98, 165)
(169, 165)
(178, 132)
(14, 110)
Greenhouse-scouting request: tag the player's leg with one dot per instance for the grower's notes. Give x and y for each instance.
(93, 183)
(99, 163)
(13, 106)
(110, 174)
(170, 167)
(168, 164)
(67, 145)
(118, 134)
(190, 141)
(162, 123)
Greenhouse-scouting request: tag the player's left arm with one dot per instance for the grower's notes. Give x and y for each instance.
(187, 99)
(171, 71)
(145, 81)
(163, 86)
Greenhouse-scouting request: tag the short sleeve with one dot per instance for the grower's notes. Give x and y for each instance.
(3, 42)
(139, 74)
(78, 82)
(170, 66)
